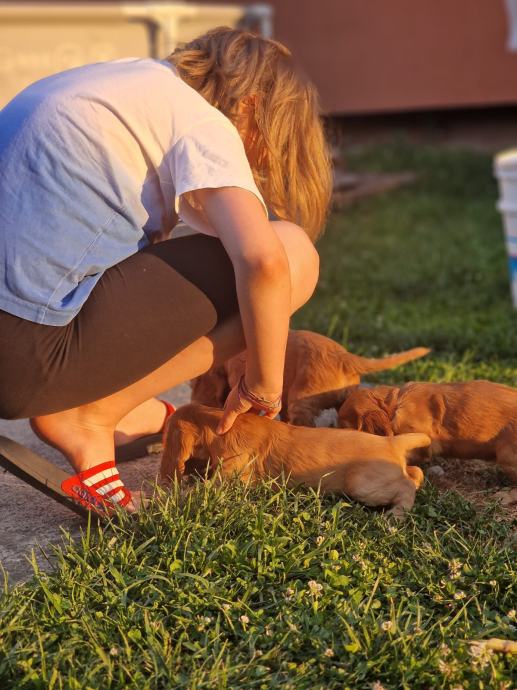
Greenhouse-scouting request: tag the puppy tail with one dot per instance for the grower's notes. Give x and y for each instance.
(406, 444)
(364, 365)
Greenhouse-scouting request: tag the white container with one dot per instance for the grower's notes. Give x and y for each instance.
(511, 11)
(505, 169)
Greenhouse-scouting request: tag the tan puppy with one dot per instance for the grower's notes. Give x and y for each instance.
(317, 371)
(368, 468)
(477, 419)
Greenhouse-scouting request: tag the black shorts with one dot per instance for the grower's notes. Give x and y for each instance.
(141, 313)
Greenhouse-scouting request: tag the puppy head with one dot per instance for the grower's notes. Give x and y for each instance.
(190, 433)
(376, 422)
(367, 409)
(211, 388)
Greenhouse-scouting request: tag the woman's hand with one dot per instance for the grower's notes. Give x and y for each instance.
(233, 407)
(236, 405)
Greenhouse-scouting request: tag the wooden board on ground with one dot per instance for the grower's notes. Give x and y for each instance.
(351, 187)
(36, 471)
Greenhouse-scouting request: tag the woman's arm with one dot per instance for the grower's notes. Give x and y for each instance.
(263, 288)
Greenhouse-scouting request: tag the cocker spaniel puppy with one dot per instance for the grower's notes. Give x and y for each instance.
(369, 469)
(477, 419)
(316, 375)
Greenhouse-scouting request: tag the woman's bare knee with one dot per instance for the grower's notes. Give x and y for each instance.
(303, 261)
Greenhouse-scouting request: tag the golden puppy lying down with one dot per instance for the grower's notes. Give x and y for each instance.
(368, 468)
(316, 374)
(477, 419)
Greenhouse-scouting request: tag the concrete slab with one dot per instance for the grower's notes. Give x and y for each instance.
(29, 520)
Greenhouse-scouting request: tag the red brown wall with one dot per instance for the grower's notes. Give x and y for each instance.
(398, 55)
(393, 55)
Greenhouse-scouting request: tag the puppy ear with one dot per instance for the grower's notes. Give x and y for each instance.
(179, 441)
(376, 422)
(348, 418)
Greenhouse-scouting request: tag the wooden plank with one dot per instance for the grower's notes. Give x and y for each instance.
(36, 471)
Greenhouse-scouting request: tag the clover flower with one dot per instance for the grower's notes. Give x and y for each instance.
(314, 588)
(445, 649)
(455, 568)
(377, 685)
(480, 654)
(444, 668)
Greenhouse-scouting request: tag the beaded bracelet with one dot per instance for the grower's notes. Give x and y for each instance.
(256, 400)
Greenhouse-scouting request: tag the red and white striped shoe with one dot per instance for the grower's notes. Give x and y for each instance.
(98, 489)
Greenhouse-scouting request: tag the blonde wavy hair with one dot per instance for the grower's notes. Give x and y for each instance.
(247, 76)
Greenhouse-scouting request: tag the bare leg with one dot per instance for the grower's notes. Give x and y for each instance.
(147, 418)
(85, 435)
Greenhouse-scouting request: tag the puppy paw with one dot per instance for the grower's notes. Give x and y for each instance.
(397, 513)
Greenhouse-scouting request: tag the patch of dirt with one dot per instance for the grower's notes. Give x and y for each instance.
(479, 481)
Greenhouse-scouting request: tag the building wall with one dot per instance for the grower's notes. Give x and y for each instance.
(370, 56)
(396, 55)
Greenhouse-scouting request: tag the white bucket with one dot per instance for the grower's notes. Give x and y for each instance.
(507, 187)
(505, 169)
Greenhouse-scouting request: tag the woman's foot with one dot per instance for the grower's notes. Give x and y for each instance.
(84, 441)
(84, 437)
(148, 418)
(87, 441)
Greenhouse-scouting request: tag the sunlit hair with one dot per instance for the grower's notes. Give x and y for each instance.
(285, 143)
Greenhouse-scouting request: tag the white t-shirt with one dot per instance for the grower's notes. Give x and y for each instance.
(92, 162)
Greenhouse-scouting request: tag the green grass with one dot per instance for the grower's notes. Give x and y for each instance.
(215, 592)
(228, 587)
(423, 266)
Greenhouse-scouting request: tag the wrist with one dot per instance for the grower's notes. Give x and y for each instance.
(264, 389)
(259, 400)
